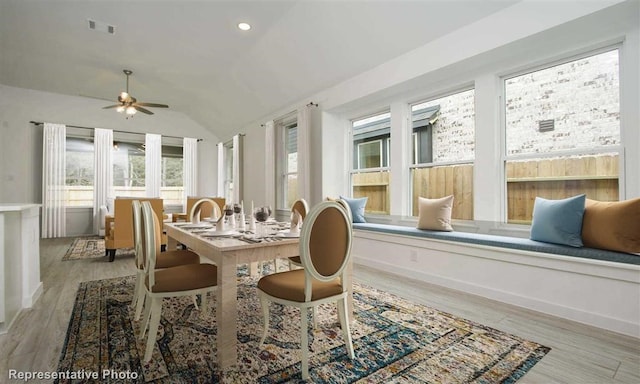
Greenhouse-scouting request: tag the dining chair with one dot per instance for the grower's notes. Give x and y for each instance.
(325, 251)
(184, 280)
(299, 211)
(167, 259)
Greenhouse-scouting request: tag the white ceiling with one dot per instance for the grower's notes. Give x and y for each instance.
(191, 55)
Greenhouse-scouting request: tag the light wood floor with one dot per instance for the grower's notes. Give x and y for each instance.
(580, 354)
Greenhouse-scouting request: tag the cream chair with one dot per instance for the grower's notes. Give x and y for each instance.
(206, 212)
(299, 211)
(325, 250)
(167, 259)
(184, 280)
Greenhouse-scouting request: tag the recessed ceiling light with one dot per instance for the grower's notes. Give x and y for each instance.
(244, 26)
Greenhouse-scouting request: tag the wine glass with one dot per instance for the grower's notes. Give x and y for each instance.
(261, 214)
(228, 211)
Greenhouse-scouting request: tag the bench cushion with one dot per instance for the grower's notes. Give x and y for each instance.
(503, 242)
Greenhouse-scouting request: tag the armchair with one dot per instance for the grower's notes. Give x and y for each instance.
(119, 227)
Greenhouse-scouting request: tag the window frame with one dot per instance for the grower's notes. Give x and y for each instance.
(413, 158)
(540, 66)
(281, 127)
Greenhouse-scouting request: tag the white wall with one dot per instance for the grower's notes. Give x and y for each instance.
(21, 142)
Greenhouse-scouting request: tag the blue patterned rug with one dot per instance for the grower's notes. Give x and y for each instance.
(394, 341)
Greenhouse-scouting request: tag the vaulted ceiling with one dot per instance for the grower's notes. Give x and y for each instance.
(192, 56)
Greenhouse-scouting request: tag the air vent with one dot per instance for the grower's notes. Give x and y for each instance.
(101, 27)
(546, 125)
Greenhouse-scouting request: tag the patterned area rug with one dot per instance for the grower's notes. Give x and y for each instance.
(90, 248)
(394, 341)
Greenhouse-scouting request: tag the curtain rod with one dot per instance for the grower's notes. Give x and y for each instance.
(114, 130)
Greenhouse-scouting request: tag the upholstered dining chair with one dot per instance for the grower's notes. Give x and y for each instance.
(325, 250)
(184, 280)
(167, 259)
(299, 211)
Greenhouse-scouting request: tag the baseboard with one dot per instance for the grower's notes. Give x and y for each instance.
(29, 301)
(573, 314)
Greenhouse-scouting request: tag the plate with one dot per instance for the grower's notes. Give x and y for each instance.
(289, 234)
(195, 226)
(229, 232)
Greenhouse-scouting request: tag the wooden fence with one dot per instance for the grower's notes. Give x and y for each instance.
(596, 176)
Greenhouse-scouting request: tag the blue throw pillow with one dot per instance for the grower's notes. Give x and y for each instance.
(558, 221)
(357, 208)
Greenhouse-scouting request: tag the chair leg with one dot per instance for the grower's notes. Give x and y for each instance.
(203, 303)
(156, 310)
(304, 343)
(195, 301)
(134, 301)
(112, 254)
(140, 295)
(344, 324)
(146, 317)
(264, 303)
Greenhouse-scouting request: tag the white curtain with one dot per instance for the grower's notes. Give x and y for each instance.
(304, 128)
(237, 168)
(153, 164)
(53, 180)
(270, 164)
(221, 175)
(103, 173)
(190, 168)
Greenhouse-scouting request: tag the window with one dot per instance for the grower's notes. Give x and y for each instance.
(287, 163)
(172, 187)
(128, 169)
(370, 173)
(79, 172)
(443, 151)
(562, 133)
(562, 129)
(228, 170)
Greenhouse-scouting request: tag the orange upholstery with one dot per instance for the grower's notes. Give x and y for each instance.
(206, 210)
(119, 227)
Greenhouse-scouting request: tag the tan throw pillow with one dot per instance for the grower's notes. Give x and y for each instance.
(435, 214)
(614, 226)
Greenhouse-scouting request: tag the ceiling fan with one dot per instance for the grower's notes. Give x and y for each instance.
(129, 104)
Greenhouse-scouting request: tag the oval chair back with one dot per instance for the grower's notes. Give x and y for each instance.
(204, 207)
(152, 240)
(299, 211)
(301, 207)
(346, 207)
(325, 244)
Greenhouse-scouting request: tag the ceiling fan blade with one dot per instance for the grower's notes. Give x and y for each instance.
(112, 106)
(154, 105)
(143, 110)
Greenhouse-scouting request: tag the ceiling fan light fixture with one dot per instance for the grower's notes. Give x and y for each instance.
(120, 109)
(131, 110)
(244, 26)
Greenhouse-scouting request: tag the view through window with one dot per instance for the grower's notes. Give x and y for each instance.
(562, 133)
(79, 172)
(443, 151)
(370, 174)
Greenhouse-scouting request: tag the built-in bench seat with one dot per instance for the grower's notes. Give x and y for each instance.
(591, 286)
(503, 242)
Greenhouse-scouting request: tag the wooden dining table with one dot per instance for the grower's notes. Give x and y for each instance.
(226, 252)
